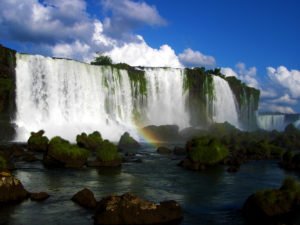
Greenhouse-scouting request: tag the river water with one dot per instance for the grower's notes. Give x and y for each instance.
(211, 197)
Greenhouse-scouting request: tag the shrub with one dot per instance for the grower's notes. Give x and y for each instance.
(102, 60)
(91, 141)
(107, 152)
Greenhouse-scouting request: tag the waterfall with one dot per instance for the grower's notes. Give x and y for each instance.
(65, 98)
(271, 122)
(224, 104)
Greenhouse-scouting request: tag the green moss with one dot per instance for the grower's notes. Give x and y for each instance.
(6, 84)
(38, 142)
(91, 141)
(107, 152)
(206, 150)
(3, 163)
(63, 148)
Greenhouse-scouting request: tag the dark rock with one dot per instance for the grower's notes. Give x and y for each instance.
(107, 155)
(38, 142)
(233, 169)
(130, 209)
(85, 198)
(111, 163)
(275, 206)
(179, 151)
(29, 157)
(127, 142)
(61, 153)
(11, 189)
(40, 196)
(163, 150)
(163, 133)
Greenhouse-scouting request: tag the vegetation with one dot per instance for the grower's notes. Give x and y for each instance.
(3, 163)
(206, 150)
(102, 60)
(91, 141)
(62, 148)
(107, 152)
(37, 141)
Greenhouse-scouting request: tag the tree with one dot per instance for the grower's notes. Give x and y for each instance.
(102, 60)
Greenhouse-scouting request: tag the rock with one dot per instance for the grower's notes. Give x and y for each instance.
(11, 189)
(163, 133)
(85, 198)
(233, 169)
(38, 142)
(90, 142)
(163, 150)
(130, 209)
(127, 142)
(274, 205)
(29, 157)
(40, 196)
(179, 151)
(107, 155)
(63, 154)
(111, 163)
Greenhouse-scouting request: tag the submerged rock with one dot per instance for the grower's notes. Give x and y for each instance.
(130, 209)
(127, 142)
(275, 206)
(40, 196)
(11, 189)
(62, 153)
(38, 142)
(85, 198)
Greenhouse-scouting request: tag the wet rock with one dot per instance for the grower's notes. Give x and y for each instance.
(164, 150)
(179, 151)
(127, 142)
(90, 142)
(40, 196)
(85, 198)
(38, 142)
(11, 189)
(130, 209)
(98, 163)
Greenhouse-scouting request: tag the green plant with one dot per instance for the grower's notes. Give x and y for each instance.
(107, 151)
(102, 60)
(3, 163)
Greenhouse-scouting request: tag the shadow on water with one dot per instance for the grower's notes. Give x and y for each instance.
(211, 197)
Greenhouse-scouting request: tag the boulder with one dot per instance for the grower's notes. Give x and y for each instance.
(179, 151)
(40, 196)
(274, 205)
(38, 142)
(11, 189)
(63, 154)
(107, 155)
(130, 209)
(127, 142)
(85, 198)
(163, 150)
(90, 142)
(163, 132)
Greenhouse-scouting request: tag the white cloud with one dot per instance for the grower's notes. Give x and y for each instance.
(267, 107)
(247, 75)
(193, 58)
(287, 79)
(268, 93)
(141, 54)
(285, 99)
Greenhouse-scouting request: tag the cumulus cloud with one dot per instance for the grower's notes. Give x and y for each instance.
(141, 54)
(285, 99)
(247, 75)
(191, 58)
(287, 79)
(269, 107)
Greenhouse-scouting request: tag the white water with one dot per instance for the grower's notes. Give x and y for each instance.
(224, 105)
(271, 122)
(65, 98)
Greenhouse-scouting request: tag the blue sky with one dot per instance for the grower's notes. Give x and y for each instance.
(255, 40)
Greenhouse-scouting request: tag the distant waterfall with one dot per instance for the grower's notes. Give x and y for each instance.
(271, 122)
(224, 105)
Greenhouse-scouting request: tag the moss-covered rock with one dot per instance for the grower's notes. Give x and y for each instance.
(38, 142)
(3, 163)
(279, 206)
(91, 141)
(62, 153)
(127, 142)
(163, 133)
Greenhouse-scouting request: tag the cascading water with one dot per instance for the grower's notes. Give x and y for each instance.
(224, 105)
(271, 122)
(66, 97)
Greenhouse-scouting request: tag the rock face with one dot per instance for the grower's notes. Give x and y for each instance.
(38, 142)
(11, 189)
(63, 154)
(85, 198)
(127, 142)
(130, 209)
(275, 206)
(7, 92)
